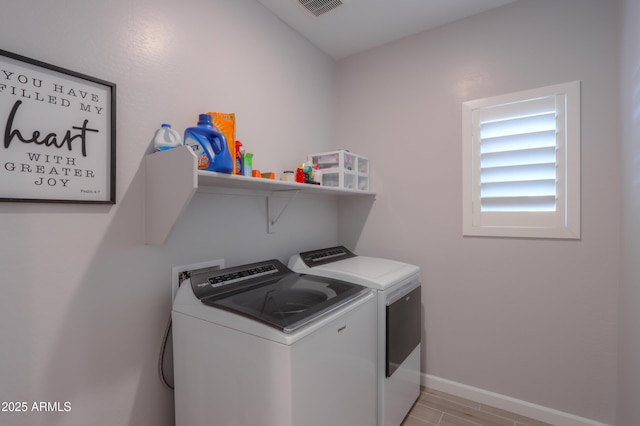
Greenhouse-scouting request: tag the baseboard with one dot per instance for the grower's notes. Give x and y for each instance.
(533, 411)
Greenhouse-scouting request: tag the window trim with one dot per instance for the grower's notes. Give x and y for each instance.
(564, 223)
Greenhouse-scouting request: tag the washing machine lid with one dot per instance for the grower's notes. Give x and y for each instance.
(339, 263)
(271, 293)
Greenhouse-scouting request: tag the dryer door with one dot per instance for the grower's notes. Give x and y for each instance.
(403, 327)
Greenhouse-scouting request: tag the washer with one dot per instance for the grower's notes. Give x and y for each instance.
(261, 345)
(398, 292)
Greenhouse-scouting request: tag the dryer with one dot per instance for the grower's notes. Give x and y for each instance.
(261, 345)
(397, 287)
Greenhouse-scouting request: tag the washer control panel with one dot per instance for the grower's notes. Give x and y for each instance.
(212, 283)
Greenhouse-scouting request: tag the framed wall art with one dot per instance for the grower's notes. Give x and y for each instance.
(58, 130)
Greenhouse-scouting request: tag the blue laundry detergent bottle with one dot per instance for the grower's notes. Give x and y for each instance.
(209, 145)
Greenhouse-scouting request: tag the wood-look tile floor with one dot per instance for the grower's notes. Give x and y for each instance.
(435, 408)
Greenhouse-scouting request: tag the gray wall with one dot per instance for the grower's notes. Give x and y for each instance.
(532, 319)
(84, 301)
(629, 349)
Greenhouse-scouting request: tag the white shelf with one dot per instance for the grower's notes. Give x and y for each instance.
(172, 178)
(206, 178)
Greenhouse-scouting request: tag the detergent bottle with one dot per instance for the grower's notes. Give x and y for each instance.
(209, 145)
(247, 164)
(166, 138)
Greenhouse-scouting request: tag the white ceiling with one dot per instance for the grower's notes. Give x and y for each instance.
(358, 25)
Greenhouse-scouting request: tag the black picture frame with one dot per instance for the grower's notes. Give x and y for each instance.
(58, 130)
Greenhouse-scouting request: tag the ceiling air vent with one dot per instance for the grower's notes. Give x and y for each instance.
(320, 7)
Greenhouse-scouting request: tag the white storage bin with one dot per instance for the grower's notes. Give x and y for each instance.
(342, 169)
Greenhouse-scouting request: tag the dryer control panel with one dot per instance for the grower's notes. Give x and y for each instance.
(326, 255)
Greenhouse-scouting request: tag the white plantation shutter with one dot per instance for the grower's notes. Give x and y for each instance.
(516, 180)
(518, 156)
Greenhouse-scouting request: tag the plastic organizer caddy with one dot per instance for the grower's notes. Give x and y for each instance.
(342, 169)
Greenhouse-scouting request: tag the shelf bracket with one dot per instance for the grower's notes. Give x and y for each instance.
(272, 217)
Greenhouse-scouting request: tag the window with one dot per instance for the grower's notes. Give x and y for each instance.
(521, 164)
